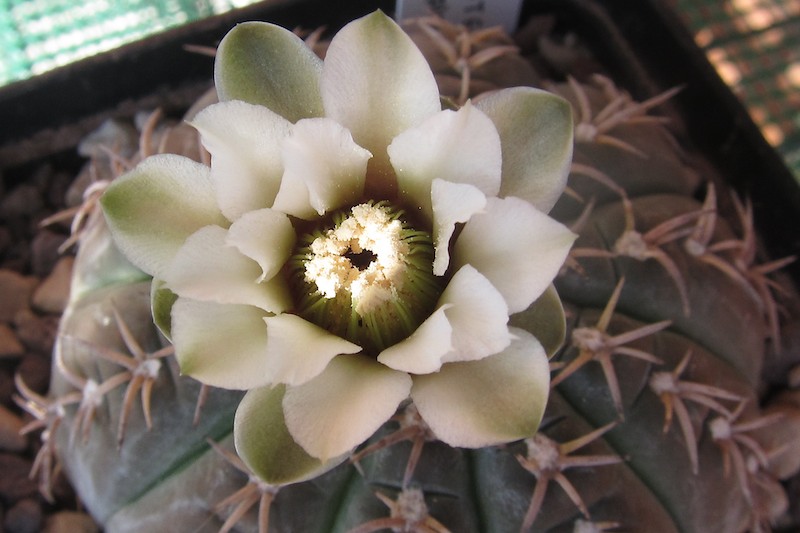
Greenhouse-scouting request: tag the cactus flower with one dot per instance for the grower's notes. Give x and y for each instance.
(353, 246)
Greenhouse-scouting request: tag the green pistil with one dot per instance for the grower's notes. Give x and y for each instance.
(369, 277)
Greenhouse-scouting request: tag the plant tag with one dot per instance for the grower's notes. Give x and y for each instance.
(474, 14)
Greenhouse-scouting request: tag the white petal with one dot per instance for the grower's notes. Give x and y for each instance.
(377, 84)
(324, 169)
(220, 345)
(452, 203)
(266, 236)
(478, 315)
(207, 269)
(498, 399)
(265, 64)
(246, 165)
(342, 407)
(517, 247)
(536, 131)
(423, 350)
(134, 205)
(264, 444)
(298, 350)
(456, 146)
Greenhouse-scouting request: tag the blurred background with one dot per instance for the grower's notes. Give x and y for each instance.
(753, 44)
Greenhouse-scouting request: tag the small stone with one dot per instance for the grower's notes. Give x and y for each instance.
(16, 290)
(14, 483)
(23, 200)
(53, 293)
(44, 251)
(24, 517)
(10, 426)
(10, 347)
(34, 370)
(7, 387)
(5, 238)
(70, 522)
(36, 332)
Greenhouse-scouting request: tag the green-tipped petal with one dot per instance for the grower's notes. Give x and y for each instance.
(221, 345)
(264, 444)
(207, 269)
(153, 209)
(246, 165)
(498, 399)
(455, 146)
(377, 84)
(298, 351)
(519, 248)
(324, 169)
(161, 301)
(545, 320)
(453, 203)
(478, 314)
(267, 65)
(247, 236)
(422, 351)
(339, 409)
(535, 128)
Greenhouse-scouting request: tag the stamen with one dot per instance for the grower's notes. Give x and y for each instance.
(367, 276)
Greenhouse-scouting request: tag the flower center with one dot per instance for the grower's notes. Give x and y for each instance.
(366, 275)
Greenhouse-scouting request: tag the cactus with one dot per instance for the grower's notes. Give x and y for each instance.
(654, 420)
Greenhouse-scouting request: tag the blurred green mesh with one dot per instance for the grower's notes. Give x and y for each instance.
(755, 47)
(39, 35)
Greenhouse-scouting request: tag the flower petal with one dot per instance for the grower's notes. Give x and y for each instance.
(247, 235)
(535, 128)
(545, 320)
(478, 314)
(207, 269)
(264, 64)
(161, 301)
(453, 203)
(422, 351)
(518, 248)
(456, 146)
(147, 233)
(339, 409)
(377, 84)
(498, 399)
(221, 345)
(298, 351)
(246, 164)
(324, 169)
(265, 445)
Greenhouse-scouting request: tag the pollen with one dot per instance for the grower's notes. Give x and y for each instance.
(366, 275)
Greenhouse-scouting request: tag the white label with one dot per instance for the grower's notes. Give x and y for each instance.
(474, 14)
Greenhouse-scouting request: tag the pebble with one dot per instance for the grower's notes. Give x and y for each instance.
(44, 251)
(10, 347)
(10, 426)
(70, 522)
(24, 517)
(7, 387)
(35, 372)
(52, 295)
(37, 333)
(16, 290)
(14, 483)
(23, 200)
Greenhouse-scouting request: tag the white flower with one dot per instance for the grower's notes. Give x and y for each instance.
(354, 245)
